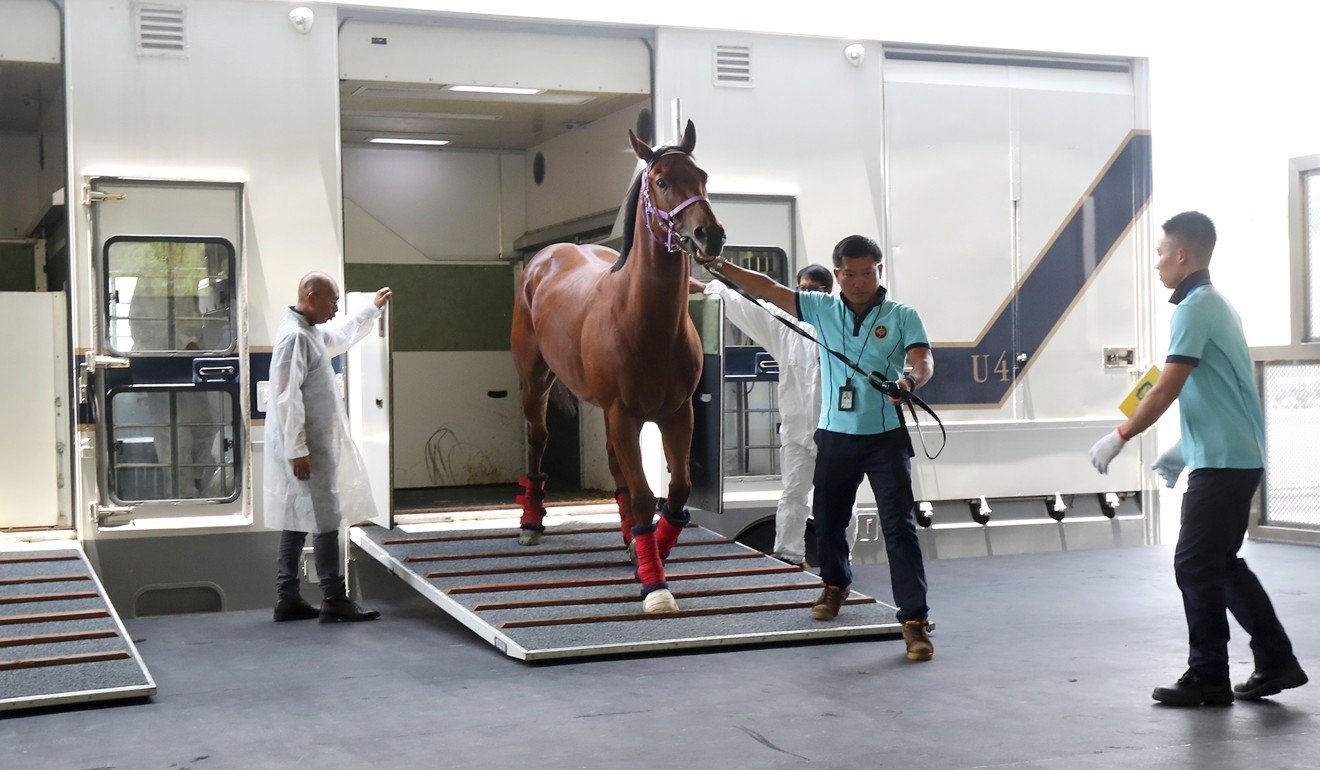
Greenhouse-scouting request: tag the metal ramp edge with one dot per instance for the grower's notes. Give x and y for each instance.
(61, 641)
(587, 567)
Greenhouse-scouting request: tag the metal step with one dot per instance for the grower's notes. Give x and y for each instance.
(575, 595)
(61, 641)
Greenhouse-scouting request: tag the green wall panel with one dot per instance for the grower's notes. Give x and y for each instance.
(18, 270)
(443, 307)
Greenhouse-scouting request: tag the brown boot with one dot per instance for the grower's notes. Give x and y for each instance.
(831, 599)
(916, 635)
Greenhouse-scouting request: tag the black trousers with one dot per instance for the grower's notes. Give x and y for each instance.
(1214, 581)
(325, 550)
(842, 460)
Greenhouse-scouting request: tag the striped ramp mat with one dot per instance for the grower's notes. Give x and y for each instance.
(61, 641)
(574, 595)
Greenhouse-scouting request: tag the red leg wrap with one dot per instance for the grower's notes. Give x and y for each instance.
(669, 528)
(532, 501)
(649, 568)
(625, 521)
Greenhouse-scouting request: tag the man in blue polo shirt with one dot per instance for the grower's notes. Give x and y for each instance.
(1208, 370)
(860, 433)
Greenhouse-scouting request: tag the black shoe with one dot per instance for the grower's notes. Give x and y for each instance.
(345, 610)
(1260, 685)
(294, 609)
(1192, 690)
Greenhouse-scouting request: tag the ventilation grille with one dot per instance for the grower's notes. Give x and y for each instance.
(160, 30)
(733, 66)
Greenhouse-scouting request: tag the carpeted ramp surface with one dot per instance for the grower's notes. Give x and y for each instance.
(574, 595)
(60, 641)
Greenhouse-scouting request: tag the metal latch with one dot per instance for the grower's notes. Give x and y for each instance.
(111, 515)
(1119, 357)
(91, 196)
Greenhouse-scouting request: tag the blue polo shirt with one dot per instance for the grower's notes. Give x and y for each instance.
(878, 341)
(1219, 405)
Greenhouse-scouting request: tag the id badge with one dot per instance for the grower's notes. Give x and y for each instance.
(847, 398)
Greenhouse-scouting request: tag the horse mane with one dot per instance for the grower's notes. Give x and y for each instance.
(629, 220)
(630, 212)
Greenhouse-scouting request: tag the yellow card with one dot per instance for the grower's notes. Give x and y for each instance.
(1143, 387)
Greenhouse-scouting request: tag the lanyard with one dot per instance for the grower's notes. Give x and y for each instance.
(843, 319)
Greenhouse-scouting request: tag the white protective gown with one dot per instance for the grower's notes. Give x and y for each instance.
(799, 412)
(305, 416)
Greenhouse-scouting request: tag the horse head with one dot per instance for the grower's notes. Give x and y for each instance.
(673, 198)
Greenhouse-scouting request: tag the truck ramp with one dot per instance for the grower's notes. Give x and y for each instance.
(575, 595)
(61, 641)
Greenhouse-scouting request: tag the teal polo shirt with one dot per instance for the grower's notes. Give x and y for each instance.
(1219, 405)
(878, 341)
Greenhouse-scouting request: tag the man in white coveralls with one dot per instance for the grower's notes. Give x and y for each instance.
(315, 478)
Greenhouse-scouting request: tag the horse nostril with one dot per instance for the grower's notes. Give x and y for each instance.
(699, 233)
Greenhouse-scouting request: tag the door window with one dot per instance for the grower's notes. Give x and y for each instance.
(169, 296)
(172, 444)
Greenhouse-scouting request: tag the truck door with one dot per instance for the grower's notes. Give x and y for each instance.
(167, 377)
(371, 405)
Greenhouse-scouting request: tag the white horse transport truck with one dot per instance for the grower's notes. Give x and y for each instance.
(171, 169)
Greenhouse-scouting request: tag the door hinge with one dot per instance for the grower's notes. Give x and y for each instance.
(91, 196)
(111, 515)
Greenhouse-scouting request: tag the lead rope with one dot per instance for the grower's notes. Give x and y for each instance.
(887, 387)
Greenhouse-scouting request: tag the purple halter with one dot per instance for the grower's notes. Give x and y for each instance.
(666, 218)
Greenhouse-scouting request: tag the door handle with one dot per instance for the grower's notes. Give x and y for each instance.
(216, 371)
(107, 362)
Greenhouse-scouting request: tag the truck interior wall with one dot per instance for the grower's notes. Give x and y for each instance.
(20, 195)
(587, 170)
(428, 224)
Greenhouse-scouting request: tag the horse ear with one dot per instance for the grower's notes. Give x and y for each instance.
(639, 147)
(689, 138)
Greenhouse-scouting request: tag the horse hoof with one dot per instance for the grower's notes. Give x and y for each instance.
(529, 537)
(660, 600)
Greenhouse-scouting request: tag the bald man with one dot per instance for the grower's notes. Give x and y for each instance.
(315, 478)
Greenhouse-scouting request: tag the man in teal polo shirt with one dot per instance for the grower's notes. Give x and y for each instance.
(1209, 372)
(860, 433)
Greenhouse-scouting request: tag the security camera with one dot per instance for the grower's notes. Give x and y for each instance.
(855, 54)
(301, 18)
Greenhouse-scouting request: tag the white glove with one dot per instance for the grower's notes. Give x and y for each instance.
(1170, 465)
(1106, 449)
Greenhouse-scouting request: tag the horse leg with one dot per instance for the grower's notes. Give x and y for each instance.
(620, 490)
(535, 380)
(624, 434)
(676, 435)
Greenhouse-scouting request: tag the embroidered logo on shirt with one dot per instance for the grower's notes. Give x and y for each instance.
(881, 332)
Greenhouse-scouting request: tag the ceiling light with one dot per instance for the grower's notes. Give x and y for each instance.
(447, 95)
(394, 140)
(496, 90)
(418, 115)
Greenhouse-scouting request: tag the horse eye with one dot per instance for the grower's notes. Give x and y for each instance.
(661, 183)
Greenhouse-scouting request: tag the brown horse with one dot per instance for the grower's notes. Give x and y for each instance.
(614, 329)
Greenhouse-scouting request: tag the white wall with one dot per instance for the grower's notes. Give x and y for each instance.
(445, 204)
(587, 171)
(810, 128)
(253, 101)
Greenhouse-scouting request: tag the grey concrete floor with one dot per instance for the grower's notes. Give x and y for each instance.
(1041, 660)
